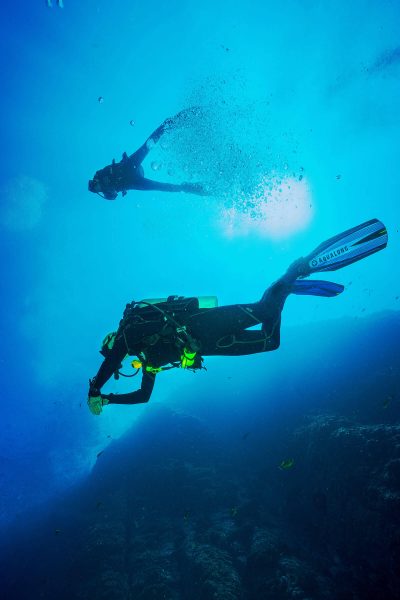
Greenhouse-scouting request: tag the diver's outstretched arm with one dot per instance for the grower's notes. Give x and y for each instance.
(138, 397)
(177, 120)
(109, 365)
(138, 157)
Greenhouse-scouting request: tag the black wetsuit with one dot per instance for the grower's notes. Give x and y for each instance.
(128, 174)
(221, 331)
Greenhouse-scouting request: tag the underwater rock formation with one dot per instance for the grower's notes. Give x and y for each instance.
(175, 510)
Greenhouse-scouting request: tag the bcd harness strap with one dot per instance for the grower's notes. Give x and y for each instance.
(183, 340)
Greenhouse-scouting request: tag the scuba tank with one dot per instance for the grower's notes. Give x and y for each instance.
(203, 301)
(173, 309)
(170, 314)
(110, 180)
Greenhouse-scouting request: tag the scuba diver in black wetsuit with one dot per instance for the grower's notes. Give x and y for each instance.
(178, 332)
(128, 173)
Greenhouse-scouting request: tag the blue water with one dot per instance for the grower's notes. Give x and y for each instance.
(301, 102)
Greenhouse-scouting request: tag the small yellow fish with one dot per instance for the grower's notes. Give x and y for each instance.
(387, 401)
(287, 464)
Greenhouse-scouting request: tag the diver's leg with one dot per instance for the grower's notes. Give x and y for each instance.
(247, 342)
(225, 320)
(213, 325)
(270, 307)
(148, 184)
(222, 331)
(195, 188)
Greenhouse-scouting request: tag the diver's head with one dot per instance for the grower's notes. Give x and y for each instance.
(94, 185)
(101, 185)
(108, 343)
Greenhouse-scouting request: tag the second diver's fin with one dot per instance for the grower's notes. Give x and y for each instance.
(307, 287)
(348, 247)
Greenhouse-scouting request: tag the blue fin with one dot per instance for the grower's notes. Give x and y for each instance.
(328, 289)
(348, 247)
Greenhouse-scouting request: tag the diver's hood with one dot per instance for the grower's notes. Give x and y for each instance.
(101, 185)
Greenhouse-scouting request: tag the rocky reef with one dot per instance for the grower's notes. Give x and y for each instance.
(307, 510)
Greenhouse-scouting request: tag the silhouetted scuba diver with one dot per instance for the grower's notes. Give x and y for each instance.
(178, 332)
(128, 173)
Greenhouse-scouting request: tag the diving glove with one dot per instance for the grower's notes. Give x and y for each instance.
(96, 403)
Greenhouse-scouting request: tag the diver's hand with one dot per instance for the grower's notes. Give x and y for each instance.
(96, 403)
(184, 115)
(169, 121)
(182, 118)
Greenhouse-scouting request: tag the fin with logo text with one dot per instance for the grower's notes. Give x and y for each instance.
(348, 247)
